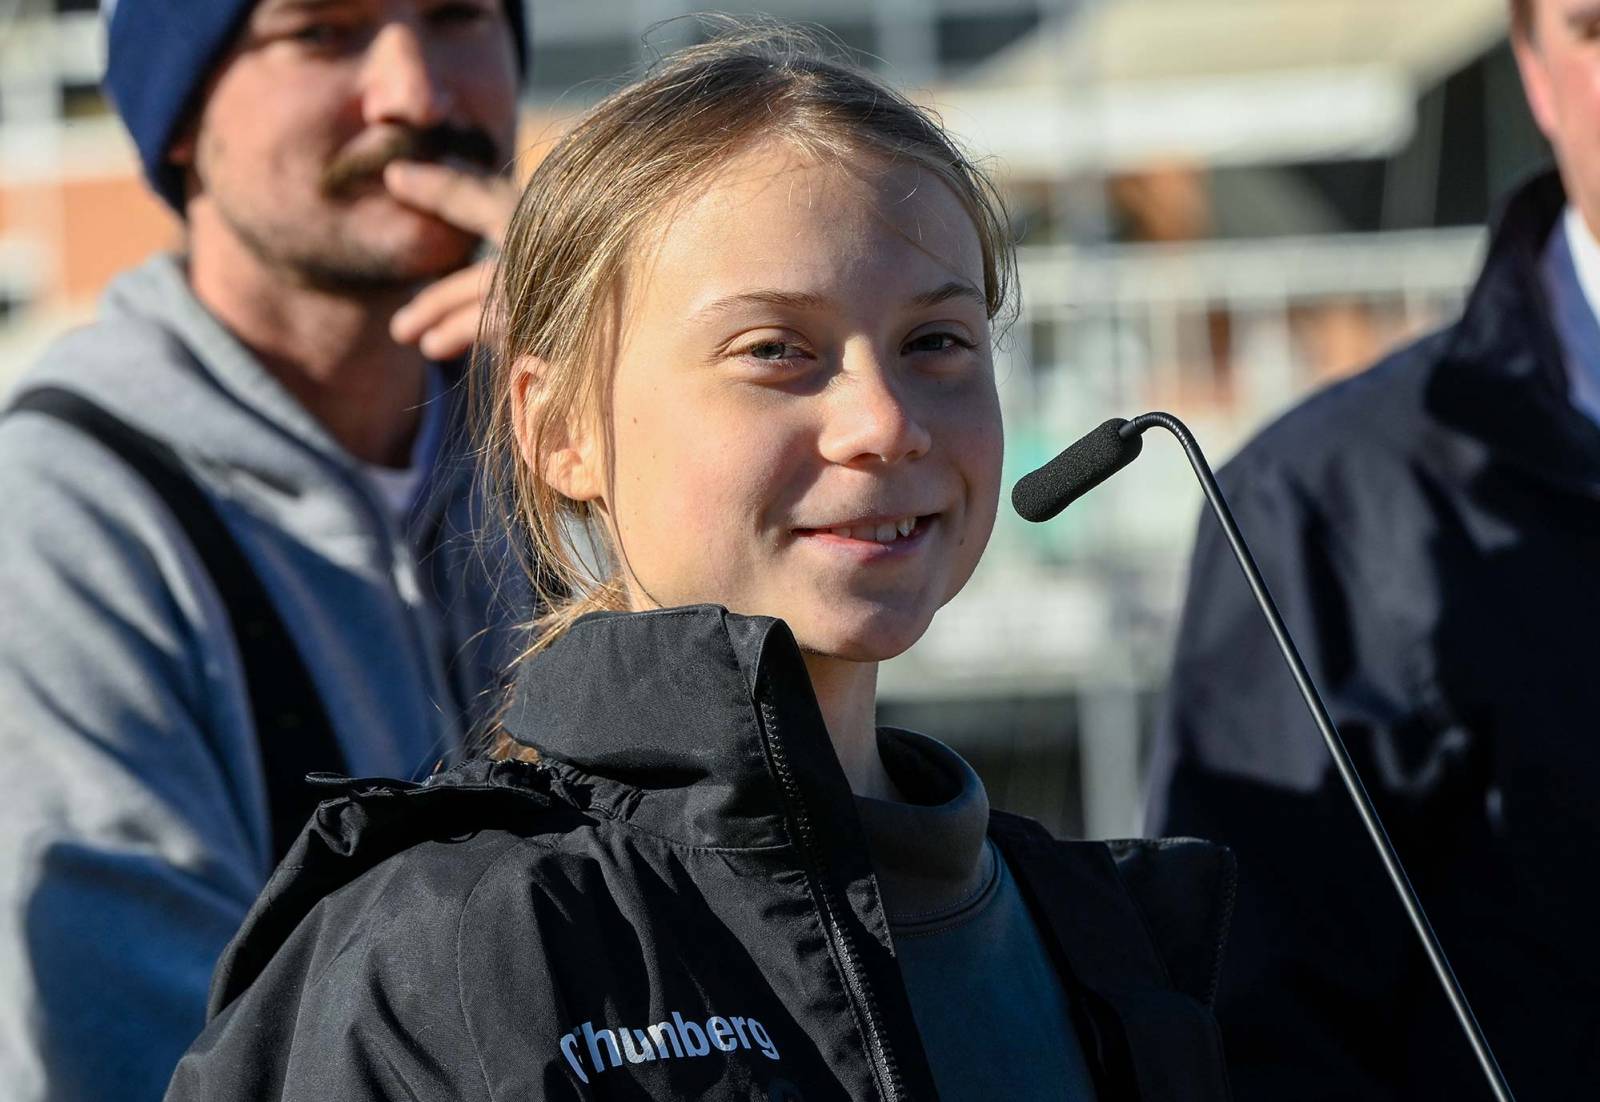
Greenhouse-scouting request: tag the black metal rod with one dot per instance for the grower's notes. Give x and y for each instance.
(1336, 747)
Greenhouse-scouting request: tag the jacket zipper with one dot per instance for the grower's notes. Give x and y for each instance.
(857, 987)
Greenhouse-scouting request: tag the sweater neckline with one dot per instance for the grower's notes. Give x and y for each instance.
(930, 853)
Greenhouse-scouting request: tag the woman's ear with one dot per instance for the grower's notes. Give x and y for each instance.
(570, 461)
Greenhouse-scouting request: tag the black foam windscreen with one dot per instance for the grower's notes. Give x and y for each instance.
(1083, 466)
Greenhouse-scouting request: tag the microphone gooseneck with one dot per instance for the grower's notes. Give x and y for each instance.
(1097, 457)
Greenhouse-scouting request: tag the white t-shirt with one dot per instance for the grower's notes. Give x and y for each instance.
(399, 486)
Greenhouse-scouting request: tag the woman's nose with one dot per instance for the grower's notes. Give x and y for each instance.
(871, 418)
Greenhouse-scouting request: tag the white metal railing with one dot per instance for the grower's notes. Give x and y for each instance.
(1110, 331)
(1265, 270)
(43, 54)
(1127, 321)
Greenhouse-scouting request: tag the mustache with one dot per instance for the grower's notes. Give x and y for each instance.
(355, 168)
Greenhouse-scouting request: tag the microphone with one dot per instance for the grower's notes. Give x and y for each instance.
(1050, 489)
(1105, 451)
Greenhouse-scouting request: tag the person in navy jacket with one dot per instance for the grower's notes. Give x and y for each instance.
(1431, 529)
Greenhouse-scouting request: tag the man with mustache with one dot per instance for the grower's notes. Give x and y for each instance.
(244, 560)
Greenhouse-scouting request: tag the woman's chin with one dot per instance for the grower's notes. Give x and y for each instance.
(875, 639)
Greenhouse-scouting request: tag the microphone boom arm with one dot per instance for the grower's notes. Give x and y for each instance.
(1335, 745)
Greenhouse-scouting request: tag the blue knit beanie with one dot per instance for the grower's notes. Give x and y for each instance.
(159, 53)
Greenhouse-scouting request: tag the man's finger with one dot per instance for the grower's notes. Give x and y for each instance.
(479, 203)
(452, 336)
(437, 300)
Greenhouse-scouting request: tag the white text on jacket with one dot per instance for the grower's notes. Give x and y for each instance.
(675, 1039)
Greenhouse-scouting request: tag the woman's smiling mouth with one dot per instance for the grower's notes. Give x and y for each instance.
(872, 534)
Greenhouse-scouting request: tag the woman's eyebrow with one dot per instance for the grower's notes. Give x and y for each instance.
(805, 300)
(956, 288)
(791, 300)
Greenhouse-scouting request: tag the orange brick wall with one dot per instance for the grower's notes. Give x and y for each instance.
(93, 227)
(110, 224)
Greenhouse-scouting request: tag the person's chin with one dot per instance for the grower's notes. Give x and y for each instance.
(418, 246)
(861, 634)
(435, 253)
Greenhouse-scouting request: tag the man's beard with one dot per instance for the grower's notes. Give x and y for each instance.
(344, 266)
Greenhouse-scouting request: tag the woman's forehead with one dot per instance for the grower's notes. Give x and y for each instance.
(777, 215)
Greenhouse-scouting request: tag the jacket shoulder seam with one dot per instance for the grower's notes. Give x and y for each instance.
(511, 847)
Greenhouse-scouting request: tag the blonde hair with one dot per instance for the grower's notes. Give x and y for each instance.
(581, 218)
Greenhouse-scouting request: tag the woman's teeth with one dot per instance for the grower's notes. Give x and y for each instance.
(887, 532)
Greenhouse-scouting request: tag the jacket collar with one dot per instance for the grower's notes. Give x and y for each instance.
(700, 727)
(1502, 381)
(692, 723)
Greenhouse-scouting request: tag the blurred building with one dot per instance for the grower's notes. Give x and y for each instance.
(72, 209)
(1222, 204)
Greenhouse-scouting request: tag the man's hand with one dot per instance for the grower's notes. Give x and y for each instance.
(442, 320)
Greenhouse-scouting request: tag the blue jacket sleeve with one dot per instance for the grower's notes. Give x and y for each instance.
(1321, 974)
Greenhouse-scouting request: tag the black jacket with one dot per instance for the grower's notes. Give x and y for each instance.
(698, 887)
(1431, 529)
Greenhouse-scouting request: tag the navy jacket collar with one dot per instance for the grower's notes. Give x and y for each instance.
(1502, 381)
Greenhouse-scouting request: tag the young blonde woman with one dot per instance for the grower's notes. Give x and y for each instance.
(745, 310)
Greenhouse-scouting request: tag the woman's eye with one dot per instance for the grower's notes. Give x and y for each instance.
(770, 350)
(936, 342)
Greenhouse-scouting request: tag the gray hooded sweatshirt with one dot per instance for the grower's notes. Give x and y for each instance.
(135, 822)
